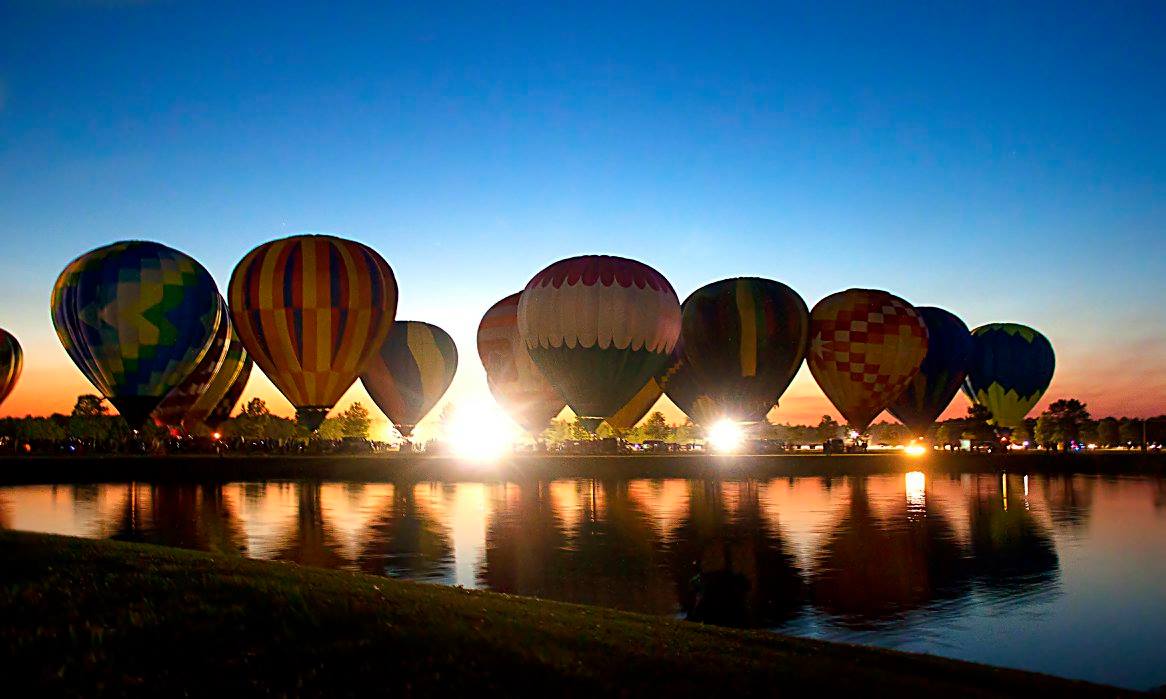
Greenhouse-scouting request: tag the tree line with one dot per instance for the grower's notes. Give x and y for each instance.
(1065, 424)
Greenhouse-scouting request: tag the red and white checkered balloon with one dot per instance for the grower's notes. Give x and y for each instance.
(865, 347)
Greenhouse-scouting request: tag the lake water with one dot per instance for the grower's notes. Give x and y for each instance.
(1059, 574)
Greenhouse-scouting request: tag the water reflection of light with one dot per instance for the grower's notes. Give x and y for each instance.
(916, 488)
(467, 523)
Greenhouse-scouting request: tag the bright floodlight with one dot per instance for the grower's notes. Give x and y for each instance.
(916, 450)
(726, 436)
(479, 431)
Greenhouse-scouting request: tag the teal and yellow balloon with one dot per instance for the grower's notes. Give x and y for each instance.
(11, 362)
(411, 372)
(136, 317)
(1010, 368)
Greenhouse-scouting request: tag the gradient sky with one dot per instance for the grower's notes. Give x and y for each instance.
(1005, 162)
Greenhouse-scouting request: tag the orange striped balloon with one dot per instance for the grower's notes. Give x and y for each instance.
(312, 310)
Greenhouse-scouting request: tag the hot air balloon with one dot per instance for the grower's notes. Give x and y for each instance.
(865, 347)
(949, 347)
(598, 328)
(1010, 368)
(236, 365)
(635, 409)
(679, 382)
(136, 317)
(411, 372)
(515, 382)
(173, 409)
(222, 410)
(11, 362)
(312, 311)
(744, 340)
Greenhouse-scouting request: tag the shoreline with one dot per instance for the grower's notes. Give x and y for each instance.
(48, 470)
(83, 615)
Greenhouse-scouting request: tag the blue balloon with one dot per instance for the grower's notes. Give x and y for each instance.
(949, 348)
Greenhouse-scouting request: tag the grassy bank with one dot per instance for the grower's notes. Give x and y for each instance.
(83, 616)
(406, 467)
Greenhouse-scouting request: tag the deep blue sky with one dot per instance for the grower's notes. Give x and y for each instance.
(1005, 161)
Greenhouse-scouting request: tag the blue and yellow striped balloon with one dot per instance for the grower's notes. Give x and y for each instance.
(136, 317)
(1010, 369)
(411, 372)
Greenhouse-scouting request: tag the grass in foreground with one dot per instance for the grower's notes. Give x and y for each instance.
(85, 617)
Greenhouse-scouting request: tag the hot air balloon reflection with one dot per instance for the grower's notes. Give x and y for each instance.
(1010, 368)
(865, 347)
(312, 311)
(598, 328)
(11, 362)
(513, 379)
(136, 317)
(949, 348)
(411, 372)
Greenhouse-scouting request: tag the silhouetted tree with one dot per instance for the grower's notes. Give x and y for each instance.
(827, 429)
(1108, 432)
(354, 421)
(655, 427)
(976, 427)
(1065, 421)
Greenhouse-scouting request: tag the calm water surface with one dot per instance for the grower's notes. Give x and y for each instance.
(1060, 574)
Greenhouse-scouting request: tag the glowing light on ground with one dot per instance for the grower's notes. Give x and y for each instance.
(915, 450)
(726, 436)
(916, 488)
(479, 431)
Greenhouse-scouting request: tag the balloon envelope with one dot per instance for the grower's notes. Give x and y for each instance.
(514, 380)
(173, 409)
(744, 340)
(949, 348)
(136, 317)
(411, 372)
(1010, 368)
(598, 328)
(235, 363)
(222, 410)
(680, 384)
(312, 310)
(865, 347)
(11, 362)
(635, 409)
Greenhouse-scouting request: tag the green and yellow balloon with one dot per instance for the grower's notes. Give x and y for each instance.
(136, 317)
(1010, 368)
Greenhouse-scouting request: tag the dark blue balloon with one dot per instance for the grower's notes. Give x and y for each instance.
(949, 347)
